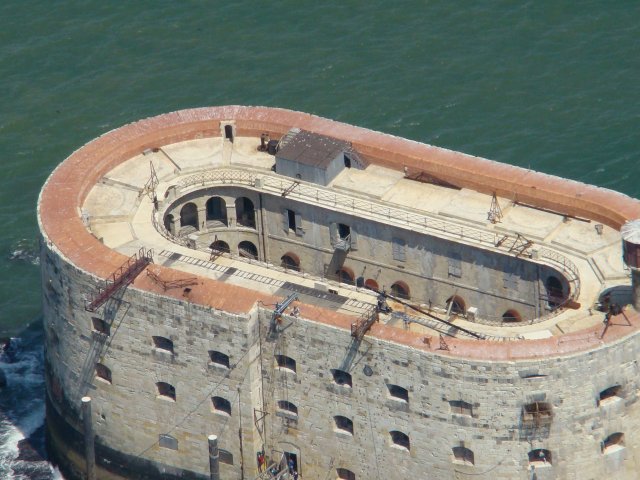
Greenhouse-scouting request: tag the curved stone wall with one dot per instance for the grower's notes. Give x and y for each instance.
(461, 396)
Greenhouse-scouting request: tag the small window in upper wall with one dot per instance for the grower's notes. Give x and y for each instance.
(398, 393)
(343, 424)
(221, 405)
(540, 458)
(610, 395)
(510, 281)
(167, 441)
(347, 160)
(463, 455)
(286, 363)
(100, 326)
(342, 378)
(219, 358)
(613, 443)
(163, 343)
(103, 372)
(400, 439)
(293, 222)
(455, 265)
(344, 474)
(225, 457)
(460, 407)
(288, 408)
(399, 247)
(166, 390)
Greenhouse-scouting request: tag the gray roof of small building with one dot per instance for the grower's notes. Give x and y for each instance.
(312, 149)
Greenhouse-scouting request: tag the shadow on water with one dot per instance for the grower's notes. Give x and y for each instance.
(23, 454)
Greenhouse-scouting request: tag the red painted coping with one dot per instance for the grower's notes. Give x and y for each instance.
(67, 187)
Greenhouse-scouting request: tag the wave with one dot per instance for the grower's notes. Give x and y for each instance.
(22, 410)
(25, 250)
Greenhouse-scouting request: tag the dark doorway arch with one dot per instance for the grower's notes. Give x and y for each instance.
(245, 212)
(345, 275)
(217, 210)
(400, 289)
(189, 215)
(247, 249)
(220, 246)
(456, 305)
(555, 292)
(511, 316)
(228, 132)
(290, 261)
(168, 223)
(371, 284)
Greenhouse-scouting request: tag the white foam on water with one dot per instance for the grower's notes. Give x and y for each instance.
(23, 409)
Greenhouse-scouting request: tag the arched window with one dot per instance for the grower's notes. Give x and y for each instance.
(371, 284)
(400, 289)
(103, 372)
(166, 391)
(189, 215)
(344, 474)
(163, 343)
(555, 292)
(167, 441)
(342, 378)
(290, 261)
(613, 443)
(511, 316)
(345, 275)
(610, 395)
(218, 358)
(100, 326)
(286, 363)
(456, 305)
(225, 456)
(220, 247)
(247, 249)
(216, 210)
(463, 455)
(399, 439)
(288, 408)
(343, 424)
(540, 457)
(245, 213)
(221, 405)
(398, 393)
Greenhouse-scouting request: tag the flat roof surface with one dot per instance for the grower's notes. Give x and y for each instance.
(189, 145)
(121, 219)
(312, 149)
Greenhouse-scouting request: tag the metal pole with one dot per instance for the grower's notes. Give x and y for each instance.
(214, 460)
(89, 447)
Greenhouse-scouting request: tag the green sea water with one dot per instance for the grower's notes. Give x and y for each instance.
(549, 85)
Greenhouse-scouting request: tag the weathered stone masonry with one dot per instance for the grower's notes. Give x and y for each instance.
(165, 369)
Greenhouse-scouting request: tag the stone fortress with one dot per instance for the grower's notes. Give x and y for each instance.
(226, 281)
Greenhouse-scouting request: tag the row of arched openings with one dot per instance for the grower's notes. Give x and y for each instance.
(246, 249)
(216, 213)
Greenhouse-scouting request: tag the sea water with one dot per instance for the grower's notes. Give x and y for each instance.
(541, 84)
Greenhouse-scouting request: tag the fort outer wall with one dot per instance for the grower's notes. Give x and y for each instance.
(73, 251)
(129, 416)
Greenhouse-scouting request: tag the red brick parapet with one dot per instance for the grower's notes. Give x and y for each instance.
(68, 186)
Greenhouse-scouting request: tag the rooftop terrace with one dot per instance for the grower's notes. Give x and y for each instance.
(116, 210)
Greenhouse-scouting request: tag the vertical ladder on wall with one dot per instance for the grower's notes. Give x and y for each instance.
(122, 277)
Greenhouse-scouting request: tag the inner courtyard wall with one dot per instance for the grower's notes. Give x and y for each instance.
(434, 269)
